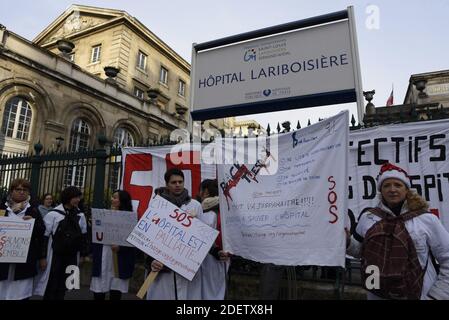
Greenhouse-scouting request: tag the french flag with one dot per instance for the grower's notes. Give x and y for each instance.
(390, 99)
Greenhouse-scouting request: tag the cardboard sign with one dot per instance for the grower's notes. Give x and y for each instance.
(112, 227)
(172, 236)
(15, 239)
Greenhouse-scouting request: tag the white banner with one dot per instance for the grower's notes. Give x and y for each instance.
(144, 169)
(295, 216)
(15, 239)
(112, 227)
(170, 235)
(420, 148)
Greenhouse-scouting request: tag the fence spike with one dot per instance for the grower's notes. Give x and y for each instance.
(413, 112)
(401, 114)
(298, 125)
(376, 119)
(353, 120)
(308, 123)
(278, 128)
(441, 111)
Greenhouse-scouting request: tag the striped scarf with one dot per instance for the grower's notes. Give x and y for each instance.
(17, 207)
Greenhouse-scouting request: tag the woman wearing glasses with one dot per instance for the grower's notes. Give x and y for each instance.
(16, 280)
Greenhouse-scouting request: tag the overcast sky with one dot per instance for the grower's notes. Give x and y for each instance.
(412, 36)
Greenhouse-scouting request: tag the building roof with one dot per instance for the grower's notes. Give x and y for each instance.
(425, 76)
(33, 56)
(79, 20)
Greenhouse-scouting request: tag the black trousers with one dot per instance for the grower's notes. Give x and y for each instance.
(56, 286)
(270, 281)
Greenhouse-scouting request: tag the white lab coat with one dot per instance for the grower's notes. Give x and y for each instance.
(108, 281)
(213, 271)
(51, 221)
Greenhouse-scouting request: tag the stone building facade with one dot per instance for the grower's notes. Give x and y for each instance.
(106, 37)
(56, 90)
(426, 98)
(428, 88)
(48, 99)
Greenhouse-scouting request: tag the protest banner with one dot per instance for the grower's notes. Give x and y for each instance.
(172, 236)
(112, 227)
(295, 215)
(420, 148)
(144, 169)
(15, 239)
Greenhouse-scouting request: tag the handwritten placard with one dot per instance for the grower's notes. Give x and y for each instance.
(112, 227)
(15, 239)
(293, 212)
(172, 236)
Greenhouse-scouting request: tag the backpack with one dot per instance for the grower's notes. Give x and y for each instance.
(67, 238)
(389, 246)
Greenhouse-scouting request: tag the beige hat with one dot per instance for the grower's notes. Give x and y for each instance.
(210, 202)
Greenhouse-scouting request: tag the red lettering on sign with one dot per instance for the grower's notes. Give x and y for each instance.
(189, 222)
(2, 243)
(138, 162)
(180, 217)
(174, 214)
(99, 237)
(332, 199)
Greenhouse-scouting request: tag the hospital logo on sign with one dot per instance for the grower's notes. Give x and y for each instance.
(250, 54)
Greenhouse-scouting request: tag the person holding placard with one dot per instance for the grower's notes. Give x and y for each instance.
(169, 285)
(215, 265)
(398, 242)
(16, 279)
(106, 259)
(66, 238)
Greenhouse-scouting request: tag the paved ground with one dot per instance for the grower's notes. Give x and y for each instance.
(85, 294)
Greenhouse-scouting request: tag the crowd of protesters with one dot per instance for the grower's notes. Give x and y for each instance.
(400, 236)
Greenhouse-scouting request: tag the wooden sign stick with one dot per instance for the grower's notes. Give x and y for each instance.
(146, 285)
(115, 263)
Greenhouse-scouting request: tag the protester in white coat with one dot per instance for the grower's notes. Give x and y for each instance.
(215, 266)
(104, 278)
(52, 282)
(428, 234)
(16, 279)
(168, 285)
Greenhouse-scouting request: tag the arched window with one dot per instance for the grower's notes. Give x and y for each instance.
(75, 174)
(79, 135)
(123, 137)
(17, 119)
